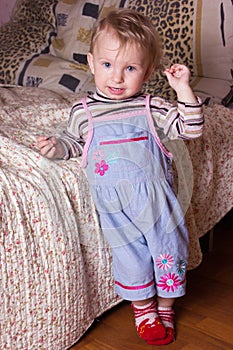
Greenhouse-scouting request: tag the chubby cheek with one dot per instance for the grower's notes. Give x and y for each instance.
(100, 79)
(136, 84)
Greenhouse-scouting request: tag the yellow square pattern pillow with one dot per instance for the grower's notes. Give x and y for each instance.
(75, 20)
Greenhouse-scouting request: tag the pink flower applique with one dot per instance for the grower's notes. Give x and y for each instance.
(98, 155)
(169, 282)
(164, 261)
(101, 168)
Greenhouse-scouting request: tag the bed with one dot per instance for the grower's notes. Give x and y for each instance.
(56, 275)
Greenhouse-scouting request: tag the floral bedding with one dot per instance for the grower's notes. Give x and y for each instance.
(55, 267)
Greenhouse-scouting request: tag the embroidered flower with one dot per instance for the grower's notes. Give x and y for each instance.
(98, 155)
(181, 267)
(164, 261)
(101, 168)
(169, 282)
(112, 157)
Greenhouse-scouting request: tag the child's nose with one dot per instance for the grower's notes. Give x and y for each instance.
(117, 76)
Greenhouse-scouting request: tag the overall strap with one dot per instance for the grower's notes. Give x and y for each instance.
(90, 133)
(148, 103)
(153, 130)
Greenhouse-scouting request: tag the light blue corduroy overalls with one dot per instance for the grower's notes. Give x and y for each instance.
(129, 172)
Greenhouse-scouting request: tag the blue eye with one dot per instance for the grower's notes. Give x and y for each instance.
(130, 68)
(107, 64)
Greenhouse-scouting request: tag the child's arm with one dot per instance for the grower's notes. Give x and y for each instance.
(178, 77)
(51, 147)
(184, 119)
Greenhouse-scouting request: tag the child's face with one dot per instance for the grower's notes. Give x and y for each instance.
(119, 73)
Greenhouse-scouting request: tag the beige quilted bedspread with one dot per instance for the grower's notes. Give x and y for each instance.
(55, 268)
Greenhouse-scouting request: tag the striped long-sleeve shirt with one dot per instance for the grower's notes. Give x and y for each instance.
(183, 120)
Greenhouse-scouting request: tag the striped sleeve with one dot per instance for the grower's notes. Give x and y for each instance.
(72, 138)
(184, 120)
(73, 146)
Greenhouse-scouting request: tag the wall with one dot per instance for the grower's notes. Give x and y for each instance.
(6, 7)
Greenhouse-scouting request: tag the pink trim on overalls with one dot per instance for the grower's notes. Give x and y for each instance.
(89, 136)
(90, 132)
(136, 287)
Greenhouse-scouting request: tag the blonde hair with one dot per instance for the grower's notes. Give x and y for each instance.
(131, 27)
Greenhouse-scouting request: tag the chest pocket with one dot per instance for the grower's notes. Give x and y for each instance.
(128, 152)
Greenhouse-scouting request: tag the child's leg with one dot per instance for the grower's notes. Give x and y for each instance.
(170, 255)
(166, 314)
(148, 324)
(134, 280)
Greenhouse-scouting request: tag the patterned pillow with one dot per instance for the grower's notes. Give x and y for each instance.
(174, 21)
(28, 32)
(56, 74)
(65, 68)
(198, 33)
(34, 11)
(75, 19)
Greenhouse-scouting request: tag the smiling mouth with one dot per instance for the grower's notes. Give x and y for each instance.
(116, 90)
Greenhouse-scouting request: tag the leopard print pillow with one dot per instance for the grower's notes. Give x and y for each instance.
(29, 31)
(34, 11)
(174, 22)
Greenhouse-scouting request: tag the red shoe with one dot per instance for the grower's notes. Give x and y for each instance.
(150, 328)
(151, 331)
(167, 317)
(170, 337)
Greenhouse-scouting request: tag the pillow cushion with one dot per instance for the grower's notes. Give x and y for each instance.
(65, 67)
(198, 33)
(174, 22)
(29, 31)
(56, 74)
(34, 11)
(75, 19)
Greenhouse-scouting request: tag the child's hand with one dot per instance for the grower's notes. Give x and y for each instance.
(50, 147)
(178, 76)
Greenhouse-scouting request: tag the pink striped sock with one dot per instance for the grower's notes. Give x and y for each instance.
(166, 315)
(148, 324)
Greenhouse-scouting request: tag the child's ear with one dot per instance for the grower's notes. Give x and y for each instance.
(90, 62)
